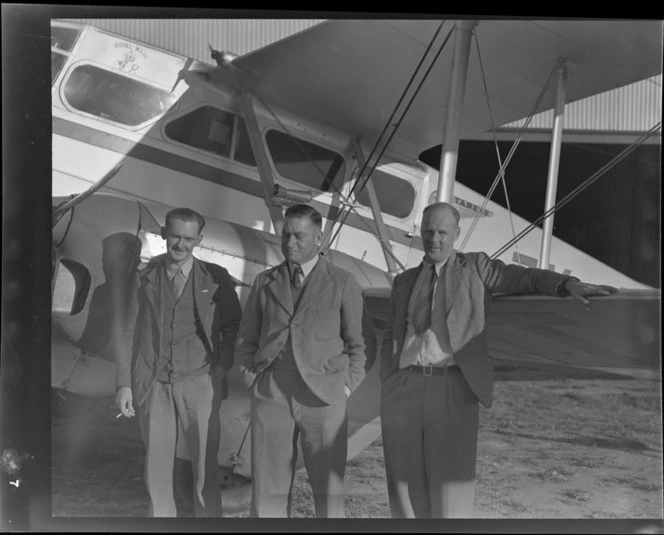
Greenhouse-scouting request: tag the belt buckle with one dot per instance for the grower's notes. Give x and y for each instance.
(426, 369)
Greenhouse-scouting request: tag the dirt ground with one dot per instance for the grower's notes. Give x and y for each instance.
(555, 445)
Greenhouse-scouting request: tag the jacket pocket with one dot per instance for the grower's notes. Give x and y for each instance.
(326, 324)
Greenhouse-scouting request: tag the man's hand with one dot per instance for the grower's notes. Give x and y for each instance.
(218, 376)
(580, 290)
(124, 400)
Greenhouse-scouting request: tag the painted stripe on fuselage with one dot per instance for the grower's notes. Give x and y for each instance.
(190, 166)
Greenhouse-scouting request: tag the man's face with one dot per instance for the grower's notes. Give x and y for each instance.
(439, 232)
(299, 239)
(181, 238)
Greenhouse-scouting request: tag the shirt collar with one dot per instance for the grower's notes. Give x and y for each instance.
(307, 266)
(438, 265)
(172, 267)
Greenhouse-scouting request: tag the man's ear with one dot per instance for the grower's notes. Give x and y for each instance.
(199, 240)
(163, 232)
(457, 233)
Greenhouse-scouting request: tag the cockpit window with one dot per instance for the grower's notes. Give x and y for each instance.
(115, 97)
(306, 163)
(62, 42)
(213, 130)
(396, 196)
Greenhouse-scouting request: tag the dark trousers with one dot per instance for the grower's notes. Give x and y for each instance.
(185, 412)
(283, 409)
(429, 426)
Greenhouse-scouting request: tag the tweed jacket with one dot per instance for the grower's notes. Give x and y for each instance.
(470, 280)
(325, 330)
(217, 310)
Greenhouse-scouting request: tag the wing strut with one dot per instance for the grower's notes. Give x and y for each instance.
(262, 161)
(375, 210)
(554, 161)
(579, 189)
(450, 150)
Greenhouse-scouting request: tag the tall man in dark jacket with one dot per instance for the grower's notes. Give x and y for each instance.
(435, 367)
(178, 347)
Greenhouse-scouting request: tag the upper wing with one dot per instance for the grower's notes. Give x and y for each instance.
(620, 332)
(350, 74)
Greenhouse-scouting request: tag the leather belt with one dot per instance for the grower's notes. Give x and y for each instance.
(433, 370)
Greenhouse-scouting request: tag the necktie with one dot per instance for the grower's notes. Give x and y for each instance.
(297, 277)
(178, 282)
(423, 300)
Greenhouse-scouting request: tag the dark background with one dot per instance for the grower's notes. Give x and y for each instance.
(616, 219)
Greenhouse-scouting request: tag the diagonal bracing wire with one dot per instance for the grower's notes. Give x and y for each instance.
(343, 198)
(520, 135)
(580, 188)
(495, 143)
(396, 126)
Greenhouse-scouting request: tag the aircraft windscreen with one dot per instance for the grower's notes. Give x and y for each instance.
(115, 97)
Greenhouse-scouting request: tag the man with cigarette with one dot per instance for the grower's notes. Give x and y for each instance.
(174, 356)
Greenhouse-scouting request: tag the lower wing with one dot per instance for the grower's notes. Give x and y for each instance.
(619, 333)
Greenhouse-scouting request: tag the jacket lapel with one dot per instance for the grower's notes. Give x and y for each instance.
(280, 288)
(402, 308)
(454, 280)
(150, 282)
(204, 289)
(315, 286)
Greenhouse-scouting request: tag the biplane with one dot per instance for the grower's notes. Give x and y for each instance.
(334, 116)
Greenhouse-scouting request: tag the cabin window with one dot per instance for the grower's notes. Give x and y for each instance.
(115, 97)
(396, 196)
(213, 130)
(306, 163)
(62, 42)
(71, 288)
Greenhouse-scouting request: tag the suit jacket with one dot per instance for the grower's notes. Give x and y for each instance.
(325, 330)
(470, 280)
(217, 310)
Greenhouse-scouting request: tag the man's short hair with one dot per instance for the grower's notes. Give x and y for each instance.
(304, 210)
(185, 214)
(454, 211)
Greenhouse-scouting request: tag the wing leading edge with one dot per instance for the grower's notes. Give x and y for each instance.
(349, 74)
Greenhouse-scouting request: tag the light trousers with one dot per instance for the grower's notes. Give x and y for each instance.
(283, 410)
(186, 410)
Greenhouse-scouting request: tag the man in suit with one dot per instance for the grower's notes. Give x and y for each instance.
(435, 367)
(178, 346)
(302, 353)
